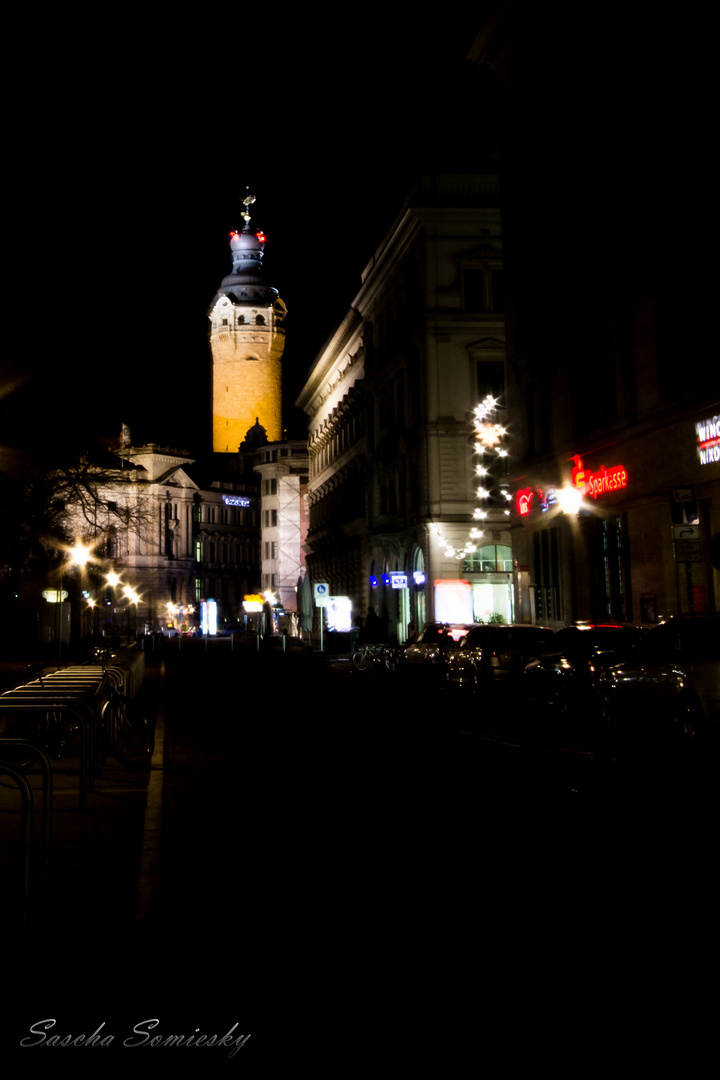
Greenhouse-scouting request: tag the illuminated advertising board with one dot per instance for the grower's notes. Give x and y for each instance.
(453, 601)
(708, 440)
(208, 616)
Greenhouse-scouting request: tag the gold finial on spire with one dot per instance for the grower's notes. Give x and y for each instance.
(247, 203)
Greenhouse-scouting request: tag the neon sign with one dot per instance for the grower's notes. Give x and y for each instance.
(523, 498)
(235, 500)
(708, 440)
(598, 483)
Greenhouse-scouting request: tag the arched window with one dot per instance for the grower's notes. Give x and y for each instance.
(493, 558)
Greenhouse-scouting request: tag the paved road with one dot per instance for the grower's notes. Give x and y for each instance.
(316, 854)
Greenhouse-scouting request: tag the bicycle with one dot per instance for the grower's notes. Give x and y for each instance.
(369, 657)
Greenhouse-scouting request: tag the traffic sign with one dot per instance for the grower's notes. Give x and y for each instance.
(688, 551)
(683, 507)
(321, 593)
(686, 532)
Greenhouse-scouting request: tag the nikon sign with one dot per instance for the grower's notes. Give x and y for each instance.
(708, 440)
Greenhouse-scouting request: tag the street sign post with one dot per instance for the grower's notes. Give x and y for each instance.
(321, 592)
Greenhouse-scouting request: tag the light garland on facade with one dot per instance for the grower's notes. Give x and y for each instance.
(490, 438)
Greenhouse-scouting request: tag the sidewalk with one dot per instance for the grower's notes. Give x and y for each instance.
(165, 861)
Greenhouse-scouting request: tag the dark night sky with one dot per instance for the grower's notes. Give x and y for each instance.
(128, 170)
(128, 160)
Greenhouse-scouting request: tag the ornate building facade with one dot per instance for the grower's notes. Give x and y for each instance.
(171, 533)
(392, 480)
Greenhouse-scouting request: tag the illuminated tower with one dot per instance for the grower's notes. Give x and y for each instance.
(247, 340)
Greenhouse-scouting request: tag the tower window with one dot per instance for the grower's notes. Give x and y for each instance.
(260, 320)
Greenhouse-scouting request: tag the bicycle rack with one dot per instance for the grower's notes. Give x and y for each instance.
(27, 811)
(78, 693)
(22, 750)
(32, 704)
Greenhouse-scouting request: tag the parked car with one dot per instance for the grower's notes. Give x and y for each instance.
(428, 653)
(670, 684)
(492, 652)
(565, 676)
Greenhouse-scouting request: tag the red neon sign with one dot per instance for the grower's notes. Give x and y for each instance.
(523, 498)
(598, 483)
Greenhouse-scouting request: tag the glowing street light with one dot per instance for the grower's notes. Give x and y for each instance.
(570, 500)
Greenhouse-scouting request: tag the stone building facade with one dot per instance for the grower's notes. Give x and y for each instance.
(171, 533)
(390, 400)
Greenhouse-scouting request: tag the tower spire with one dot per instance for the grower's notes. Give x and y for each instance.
(247, 203)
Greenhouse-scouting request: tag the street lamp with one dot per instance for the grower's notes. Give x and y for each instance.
(132, 598)
(78, 556)
(570, 500)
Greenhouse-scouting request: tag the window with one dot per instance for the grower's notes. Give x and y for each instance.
(491, 380)
(493, 558)
(484, 290)
(112, 543)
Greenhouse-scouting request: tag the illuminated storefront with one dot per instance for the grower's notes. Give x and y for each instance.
(630, 540)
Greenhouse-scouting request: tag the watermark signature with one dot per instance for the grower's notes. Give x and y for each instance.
(145, 1033)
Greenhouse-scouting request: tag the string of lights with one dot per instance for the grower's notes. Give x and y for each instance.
(490, 445)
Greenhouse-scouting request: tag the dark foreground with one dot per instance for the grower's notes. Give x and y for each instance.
(344, 868)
